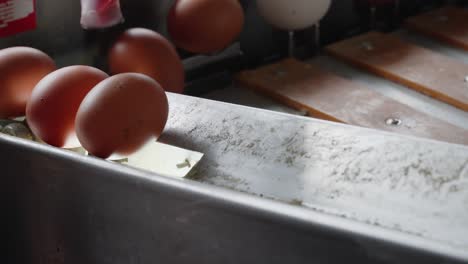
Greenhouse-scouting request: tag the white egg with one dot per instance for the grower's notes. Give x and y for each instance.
(293, 14)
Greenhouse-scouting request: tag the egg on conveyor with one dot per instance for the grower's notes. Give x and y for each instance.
(147, 52)
(52, 108)
(205, 26)
(121, 114)
(293, 14)
(21, 68)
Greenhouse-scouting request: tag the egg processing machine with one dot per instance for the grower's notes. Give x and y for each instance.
(363, 158)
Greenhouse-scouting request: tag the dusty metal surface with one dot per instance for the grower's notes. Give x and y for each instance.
(400, 190)
(336, 194)
(415, 186)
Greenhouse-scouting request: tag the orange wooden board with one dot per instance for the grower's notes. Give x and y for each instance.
(449, 24)
(428, 72)
(328, 96)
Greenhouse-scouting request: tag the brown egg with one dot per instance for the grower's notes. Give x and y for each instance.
(205, 26)
(145, 51)
(21, 68)
(52, 108)
(121, 114)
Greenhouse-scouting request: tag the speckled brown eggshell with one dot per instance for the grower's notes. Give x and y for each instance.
(121, 114)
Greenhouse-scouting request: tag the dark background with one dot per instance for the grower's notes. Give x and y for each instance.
(60, 35)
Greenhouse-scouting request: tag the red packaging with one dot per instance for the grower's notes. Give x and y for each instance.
(100, 13)
(17, 16)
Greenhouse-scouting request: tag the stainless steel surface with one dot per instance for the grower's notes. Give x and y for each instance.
(337, 194)
(413, 186)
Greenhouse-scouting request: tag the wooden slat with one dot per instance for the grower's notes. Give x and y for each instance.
(328, 96)
(448, 24)
(428, 72)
